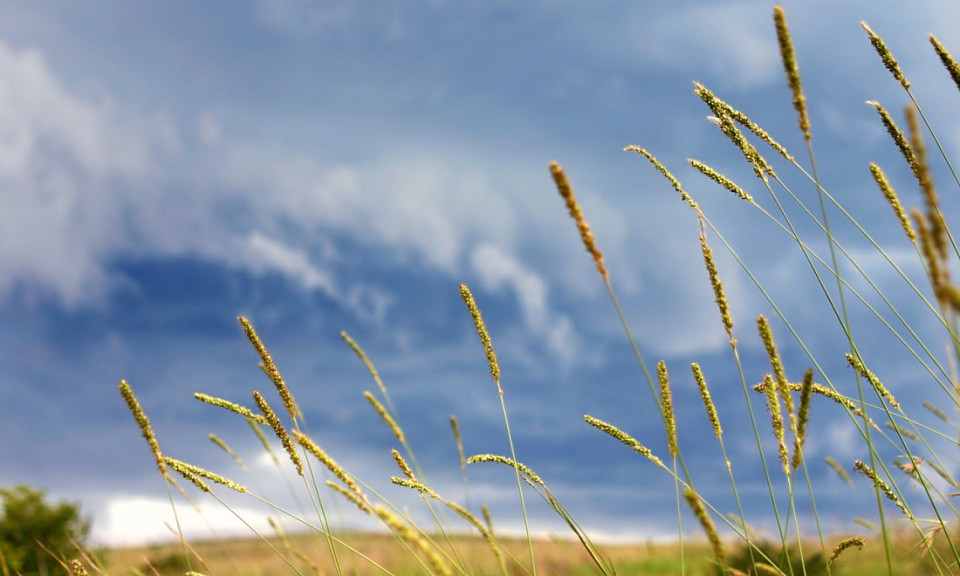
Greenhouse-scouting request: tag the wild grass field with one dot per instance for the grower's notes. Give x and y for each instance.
(250, 557)
(913, 531)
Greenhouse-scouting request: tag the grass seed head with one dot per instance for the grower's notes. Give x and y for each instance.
(720, 297)
(330, 463)
(721, 108)
(951, 295)
(776, 363)
(227, 405)
(402, 463)
(858, 365)
(666, 174)
(488, 520)
(416, 485)
(776, 419)
(864, 523)
(947, 59)
(822, 390)
(838, 469)
(936, 411)
(889, 62)
(279, 430)
(854, 542)
(869, 472)
(623, 437)
(760, 166)
(414, 538)
(666, 401)
(487, 534)
(707, 400)
(935, 269)
(385, 416)
(349, 495)
(481, 328)
(941, 473)
(890, 194)
(764, 569)
(790, 66)
(271, 369)
(509, 462)
(77, 568)
(566, 191)
(720, 179)
(226, 448)
(902, 431)
(190, 472)
(366, 362)
(931, 199)
(146, 429)
(178, 467)
(803, 415)
(693, 500)
(455, 426)
(897, 135)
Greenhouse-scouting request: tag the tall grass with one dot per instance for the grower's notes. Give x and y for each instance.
(913, 489)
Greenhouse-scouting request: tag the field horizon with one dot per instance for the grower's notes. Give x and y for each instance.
(248, 556)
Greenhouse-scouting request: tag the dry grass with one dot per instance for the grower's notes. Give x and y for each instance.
(250, 557)
(902, 542)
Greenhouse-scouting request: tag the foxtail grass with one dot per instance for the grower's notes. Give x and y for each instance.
(898, 449)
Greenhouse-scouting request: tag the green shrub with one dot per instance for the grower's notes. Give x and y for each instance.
(170, 563)
(35, 535)
(785, 559)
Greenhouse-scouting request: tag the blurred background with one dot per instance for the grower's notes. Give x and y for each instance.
(328, 166)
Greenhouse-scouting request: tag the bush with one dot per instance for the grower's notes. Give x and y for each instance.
(783, 560)
(171, 563)
(34, 535)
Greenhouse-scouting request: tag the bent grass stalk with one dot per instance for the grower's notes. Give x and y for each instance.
(463, 513)
(390, 416)
(458, 439)
(535, 482)
(566, 192)
(916, 457)
(670, 422)
(293, 410)
(274, 422)
(721, 108)
(843, 306)
(481, 329)
(229, 451)
(146, 430)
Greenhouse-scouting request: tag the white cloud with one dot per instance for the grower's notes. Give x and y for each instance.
(844, 442)
(263, 254)
(137, 520)
(419, 207)
(733, 40)
(498, 269)
(68, 169)
(60, 161)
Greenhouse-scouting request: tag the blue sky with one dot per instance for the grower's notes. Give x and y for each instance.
(320, 167)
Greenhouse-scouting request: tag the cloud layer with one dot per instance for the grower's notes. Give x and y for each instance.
(346, 166)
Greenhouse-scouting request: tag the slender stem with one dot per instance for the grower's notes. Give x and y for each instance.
(513, 454)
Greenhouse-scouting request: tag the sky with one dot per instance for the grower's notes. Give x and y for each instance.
(320, 167)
